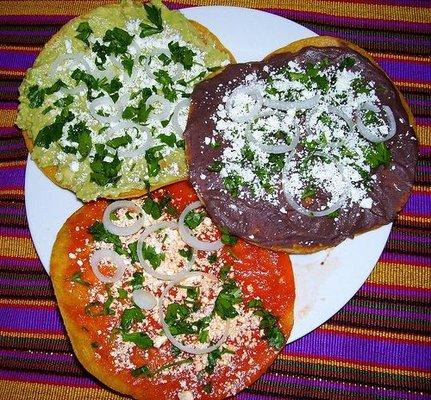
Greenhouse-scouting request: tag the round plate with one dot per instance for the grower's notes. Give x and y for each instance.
(326, 280)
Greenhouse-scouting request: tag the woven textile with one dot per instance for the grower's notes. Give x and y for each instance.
(377, 347)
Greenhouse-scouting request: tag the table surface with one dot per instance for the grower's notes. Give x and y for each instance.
(377, 347)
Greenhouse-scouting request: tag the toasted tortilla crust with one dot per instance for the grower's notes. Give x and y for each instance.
(69, 303)
(295, 47)
(205, 35)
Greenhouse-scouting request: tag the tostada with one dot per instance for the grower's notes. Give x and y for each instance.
(104, 106)
(304, 149)
(160, 305)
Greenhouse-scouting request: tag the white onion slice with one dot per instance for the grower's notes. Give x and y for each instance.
(103, 101)
(112, 256)
(144, 299)
(185, 103)
(150, 270)
(123, 230)
(321, 213)
(187, 235)
(275, 149)
(339, 113)
(165, 106)
(254, 93)
(287, 105)
(74, 60)
(366, 133)
(172, 339)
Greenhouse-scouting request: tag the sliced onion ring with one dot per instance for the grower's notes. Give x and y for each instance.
(75, 60)
(255, 109)
(287, 105)
(122, 230)
(274, 149)
(103, 101)
(366, 133)
(297, 207)
(144, 299)
(187, 235)
(175, 116)
(150, 270)
(175, 342)
(165, 110)
(101, 254)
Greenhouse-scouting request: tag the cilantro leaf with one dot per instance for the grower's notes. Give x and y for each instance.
(129, 316)
(153, 156)
(117, 142)
(104, 172)
(377, 155)
(52, 133)
(36, 94)
(181, 54)
(229, 296)
(193, 219)
(100, 234)
(186, 252)
(77, 278)
(150, 254)
(84, 32)
(227, 238)
(137, 280)
(154, 15)
(118, 40)
(214, 356)
(128, 63)
(141, 339)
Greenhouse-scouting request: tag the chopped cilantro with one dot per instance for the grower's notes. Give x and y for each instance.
(104, 172)
(84, 32)
(80, 134)
(100, 234)
(193, 219)
(122, 294)
(150, 254)
(227, 238)
(127, 62)
(154, 15)
(377, 155)
(137, 280)
(229, 296)
(129, 316)
(214, 356)
(186, 252)
(207, 388)
(203, 336)
(77, 278)
(347, 63)
(216, 166)
(36, 94)
(51, 133)
(153, 156)
(181, 54)
(170, 140)
(269, 324)
(212, 258)
(309, 192)
(224, 272)
(119, 141)
(232, 184)
(141, 339)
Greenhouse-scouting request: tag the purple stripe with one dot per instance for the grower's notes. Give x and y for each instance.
(349, 22)
(38, 356)
(22, 264)
(398, 313)
(423, 121)
(16, 59)
(10, 131)
(344, 387)
(34, 19)
(43, 281)
(374, 37)
(10, 209)
(24, 376)
(12, 177)
(31, 319)
(413, 294)
(414, 260)
(418, 204)
(398, 69)
(14, 231)
(409, 238)
(356, 348)
(8, 105)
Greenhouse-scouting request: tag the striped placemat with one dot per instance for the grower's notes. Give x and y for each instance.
(377, 347)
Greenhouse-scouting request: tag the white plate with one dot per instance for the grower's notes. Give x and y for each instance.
(325, 281)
